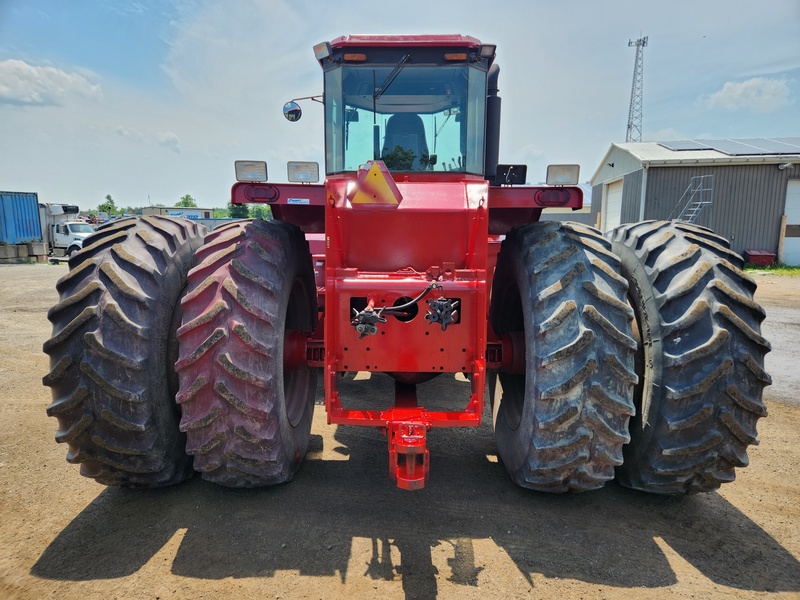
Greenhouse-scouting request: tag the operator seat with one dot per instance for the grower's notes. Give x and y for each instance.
(407, 131)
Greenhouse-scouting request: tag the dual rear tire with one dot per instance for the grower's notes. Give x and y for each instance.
(696, 393)
(247, 419)
(560, 426)
(644, 357)
(701, 355)
(124, 347)
(112, 351)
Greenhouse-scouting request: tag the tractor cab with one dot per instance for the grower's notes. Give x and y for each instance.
(418, 103)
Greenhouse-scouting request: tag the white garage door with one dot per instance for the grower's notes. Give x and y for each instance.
(791, 244)
(613, 210)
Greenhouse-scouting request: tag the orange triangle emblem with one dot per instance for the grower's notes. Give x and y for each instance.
(375, 185)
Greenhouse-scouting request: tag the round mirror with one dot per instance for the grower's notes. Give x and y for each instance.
(292, 112)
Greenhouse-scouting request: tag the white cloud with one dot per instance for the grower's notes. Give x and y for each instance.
(529, 152)
(224, 81)
(222, 73)
(167, 139)
(133, 134)
(758, 94)
(28, 85)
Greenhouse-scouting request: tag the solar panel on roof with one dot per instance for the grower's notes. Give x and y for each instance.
(733, 147)
(762, 145)
(785, 145)
(684, 145)
(772, 146)
(740, 147)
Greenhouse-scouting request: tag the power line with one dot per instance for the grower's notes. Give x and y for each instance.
(634, 133)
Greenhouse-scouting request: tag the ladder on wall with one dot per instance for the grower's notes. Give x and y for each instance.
(697, 197)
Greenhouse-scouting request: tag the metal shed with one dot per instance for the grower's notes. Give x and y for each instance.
(746, 190)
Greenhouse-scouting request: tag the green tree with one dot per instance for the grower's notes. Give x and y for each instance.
(261, 211)
(399, 159)
(238, 211)
(187, 202)
(221, 213)
(109, 206)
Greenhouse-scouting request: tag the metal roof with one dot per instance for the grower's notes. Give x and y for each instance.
(656, 151)
(761, 150)
(744, 147)
(696, 152)
(362, 39)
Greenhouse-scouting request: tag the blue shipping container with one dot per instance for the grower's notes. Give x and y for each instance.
(19, 218)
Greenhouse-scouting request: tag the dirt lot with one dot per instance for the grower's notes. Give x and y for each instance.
(341, 530)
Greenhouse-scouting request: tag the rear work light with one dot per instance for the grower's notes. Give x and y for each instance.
(254, 171)
(563, 174)
(302, 172)
(487, 50)
(322, 50)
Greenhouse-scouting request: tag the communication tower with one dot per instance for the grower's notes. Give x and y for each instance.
(635, 112)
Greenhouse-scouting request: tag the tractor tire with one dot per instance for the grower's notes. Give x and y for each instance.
(561, 425)
(701, 358)
(113, 350)
(246, 415)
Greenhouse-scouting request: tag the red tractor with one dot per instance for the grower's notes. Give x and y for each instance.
(637, 355)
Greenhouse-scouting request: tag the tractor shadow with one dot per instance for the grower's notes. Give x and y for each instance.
(606, 537)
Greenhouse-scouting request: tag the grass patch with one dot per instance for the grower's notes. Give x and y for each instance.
(775, 269)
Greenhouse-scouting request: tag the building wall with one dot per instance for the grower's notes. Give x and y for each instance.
(623, 163)
(748, 201)
(579, 216)
(631, 197)
(597, 205)
(177, 211)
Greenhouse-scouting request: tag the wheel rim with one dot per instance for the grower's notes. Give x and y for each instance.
(513, 399)
(642, 356)
(297, 379)
(296, 386)
(512, 402)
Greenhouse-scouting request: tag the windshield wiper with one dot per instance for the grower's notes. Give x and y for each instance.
(385, 85)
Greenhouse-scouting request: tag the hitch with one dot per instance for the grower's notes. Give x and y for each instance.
(409, 458)
(366, 321)
(407, 429)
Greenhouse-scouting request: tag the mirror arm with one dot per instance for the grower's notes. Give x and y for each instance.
(317, 98)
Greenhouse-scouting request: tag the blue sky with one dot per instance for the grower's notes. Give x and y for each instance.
(151, 100)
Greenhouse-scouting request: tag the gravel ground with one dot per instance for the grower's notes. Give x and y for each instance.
(341, 530)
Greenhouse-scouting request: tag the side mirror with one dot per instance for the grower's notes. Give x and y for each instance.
(292, 111)
(351, 115)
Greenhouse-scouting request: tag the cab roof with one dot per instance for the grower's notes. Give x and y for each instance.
(385, 40)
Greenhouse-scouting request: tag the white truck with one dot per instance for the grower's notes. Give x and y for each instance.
(62, 231)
